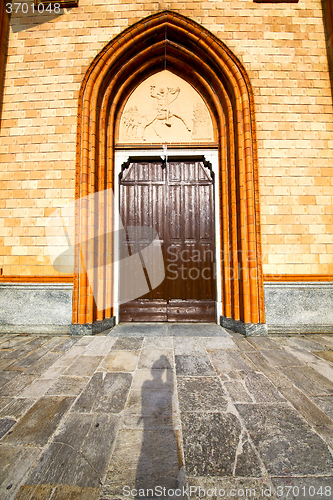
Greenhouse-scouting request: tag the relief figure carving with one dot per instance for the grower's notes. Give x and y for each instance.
(132, 121)
(165, 109)
(200, 122)
(164, 112)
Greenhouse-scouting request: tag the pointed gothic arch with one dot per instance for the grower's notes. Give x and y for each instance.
(171, 40)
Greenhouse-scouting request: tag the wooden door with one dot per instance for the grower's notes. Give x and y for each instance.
(177, 200)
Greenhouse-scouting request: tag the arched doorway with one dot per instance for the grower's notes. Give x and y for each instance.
(186, 49)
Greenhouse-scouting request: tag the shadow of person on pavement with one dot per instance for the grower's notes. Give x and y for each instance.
(160, 462)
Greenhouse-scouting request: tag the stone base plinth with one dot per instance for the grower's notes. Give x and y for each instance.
(299, 307)
(93, 328)
(247, 329)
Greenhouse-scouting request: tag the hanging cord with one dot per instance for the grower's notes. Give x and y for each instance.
(165, 147)
(165, 46)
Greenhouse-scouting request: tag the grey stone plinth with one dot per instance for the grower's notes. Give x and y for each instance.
(49, 329)
(35, 307)
(311, 328)
(93, 328)
(248, 329)
(299, 307)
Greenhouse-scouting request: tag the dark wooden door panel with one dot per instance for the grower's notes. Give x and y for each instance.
(177, 201)
(199, 311)
(144, 310)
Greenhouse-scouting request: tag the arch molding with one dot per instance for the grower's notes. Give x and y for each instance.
(169, 40)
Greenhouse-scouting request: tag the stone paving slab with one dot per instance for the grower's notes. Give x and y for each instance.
(79, 454)
(310, 411)
(37, 388)
(43, 363)
(5, 425)
(188, 346)
(201, 394)
(286, 444)
(324, 368)
(56, 492)
(257, 361)
(303, 355)
(69, 356)
(158, 359)
(128, 343)
(106, 393)
(5, 363)
(140, 330)
(181, 405)
(327, 355)
(11, 341)
(142, 376)
(66, 344)
(85, 340)
(281, 358)
(325, 403)
(84, 366)
(18, 346)
(17, 353)
(168, 329)
(224, 343)
(230, 488)
(309, 345)
(67, 386)
(229, 361)
(15, 461)
(261, 389)
(16, 385)
(309, 381)
(307, 488)
(53, 372)
(243, 344)
(5, 402)
(326, 341)
(120, 361)
(210, 442)
(142, 459)
(193, 365)
(31, 359)
(238, 392)
(99, 346)
(5, 377)
(262, 343)
(153, 422)
(38, 424)
(152, 400)
(156, 343)
(16, 408)
(197, 330)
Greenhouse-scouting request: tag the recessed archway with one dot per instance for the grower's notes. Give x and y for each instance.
(169, 40)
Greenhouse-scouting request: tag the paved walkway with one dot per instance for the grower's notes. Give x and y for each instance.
(194, 409)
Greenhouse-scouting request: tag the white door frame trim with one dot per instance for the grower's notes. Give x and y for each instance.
(211, 156)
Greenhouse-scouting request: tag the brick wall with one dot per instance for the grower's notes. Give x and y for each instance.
(328, 23)
(4, 25)
(282, 47)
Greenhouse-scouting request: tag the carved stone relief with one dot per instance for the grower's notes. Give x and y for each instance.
(165, 108)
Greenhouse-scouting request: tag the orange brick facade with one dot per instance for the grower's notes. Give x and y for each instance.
(282, 48)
